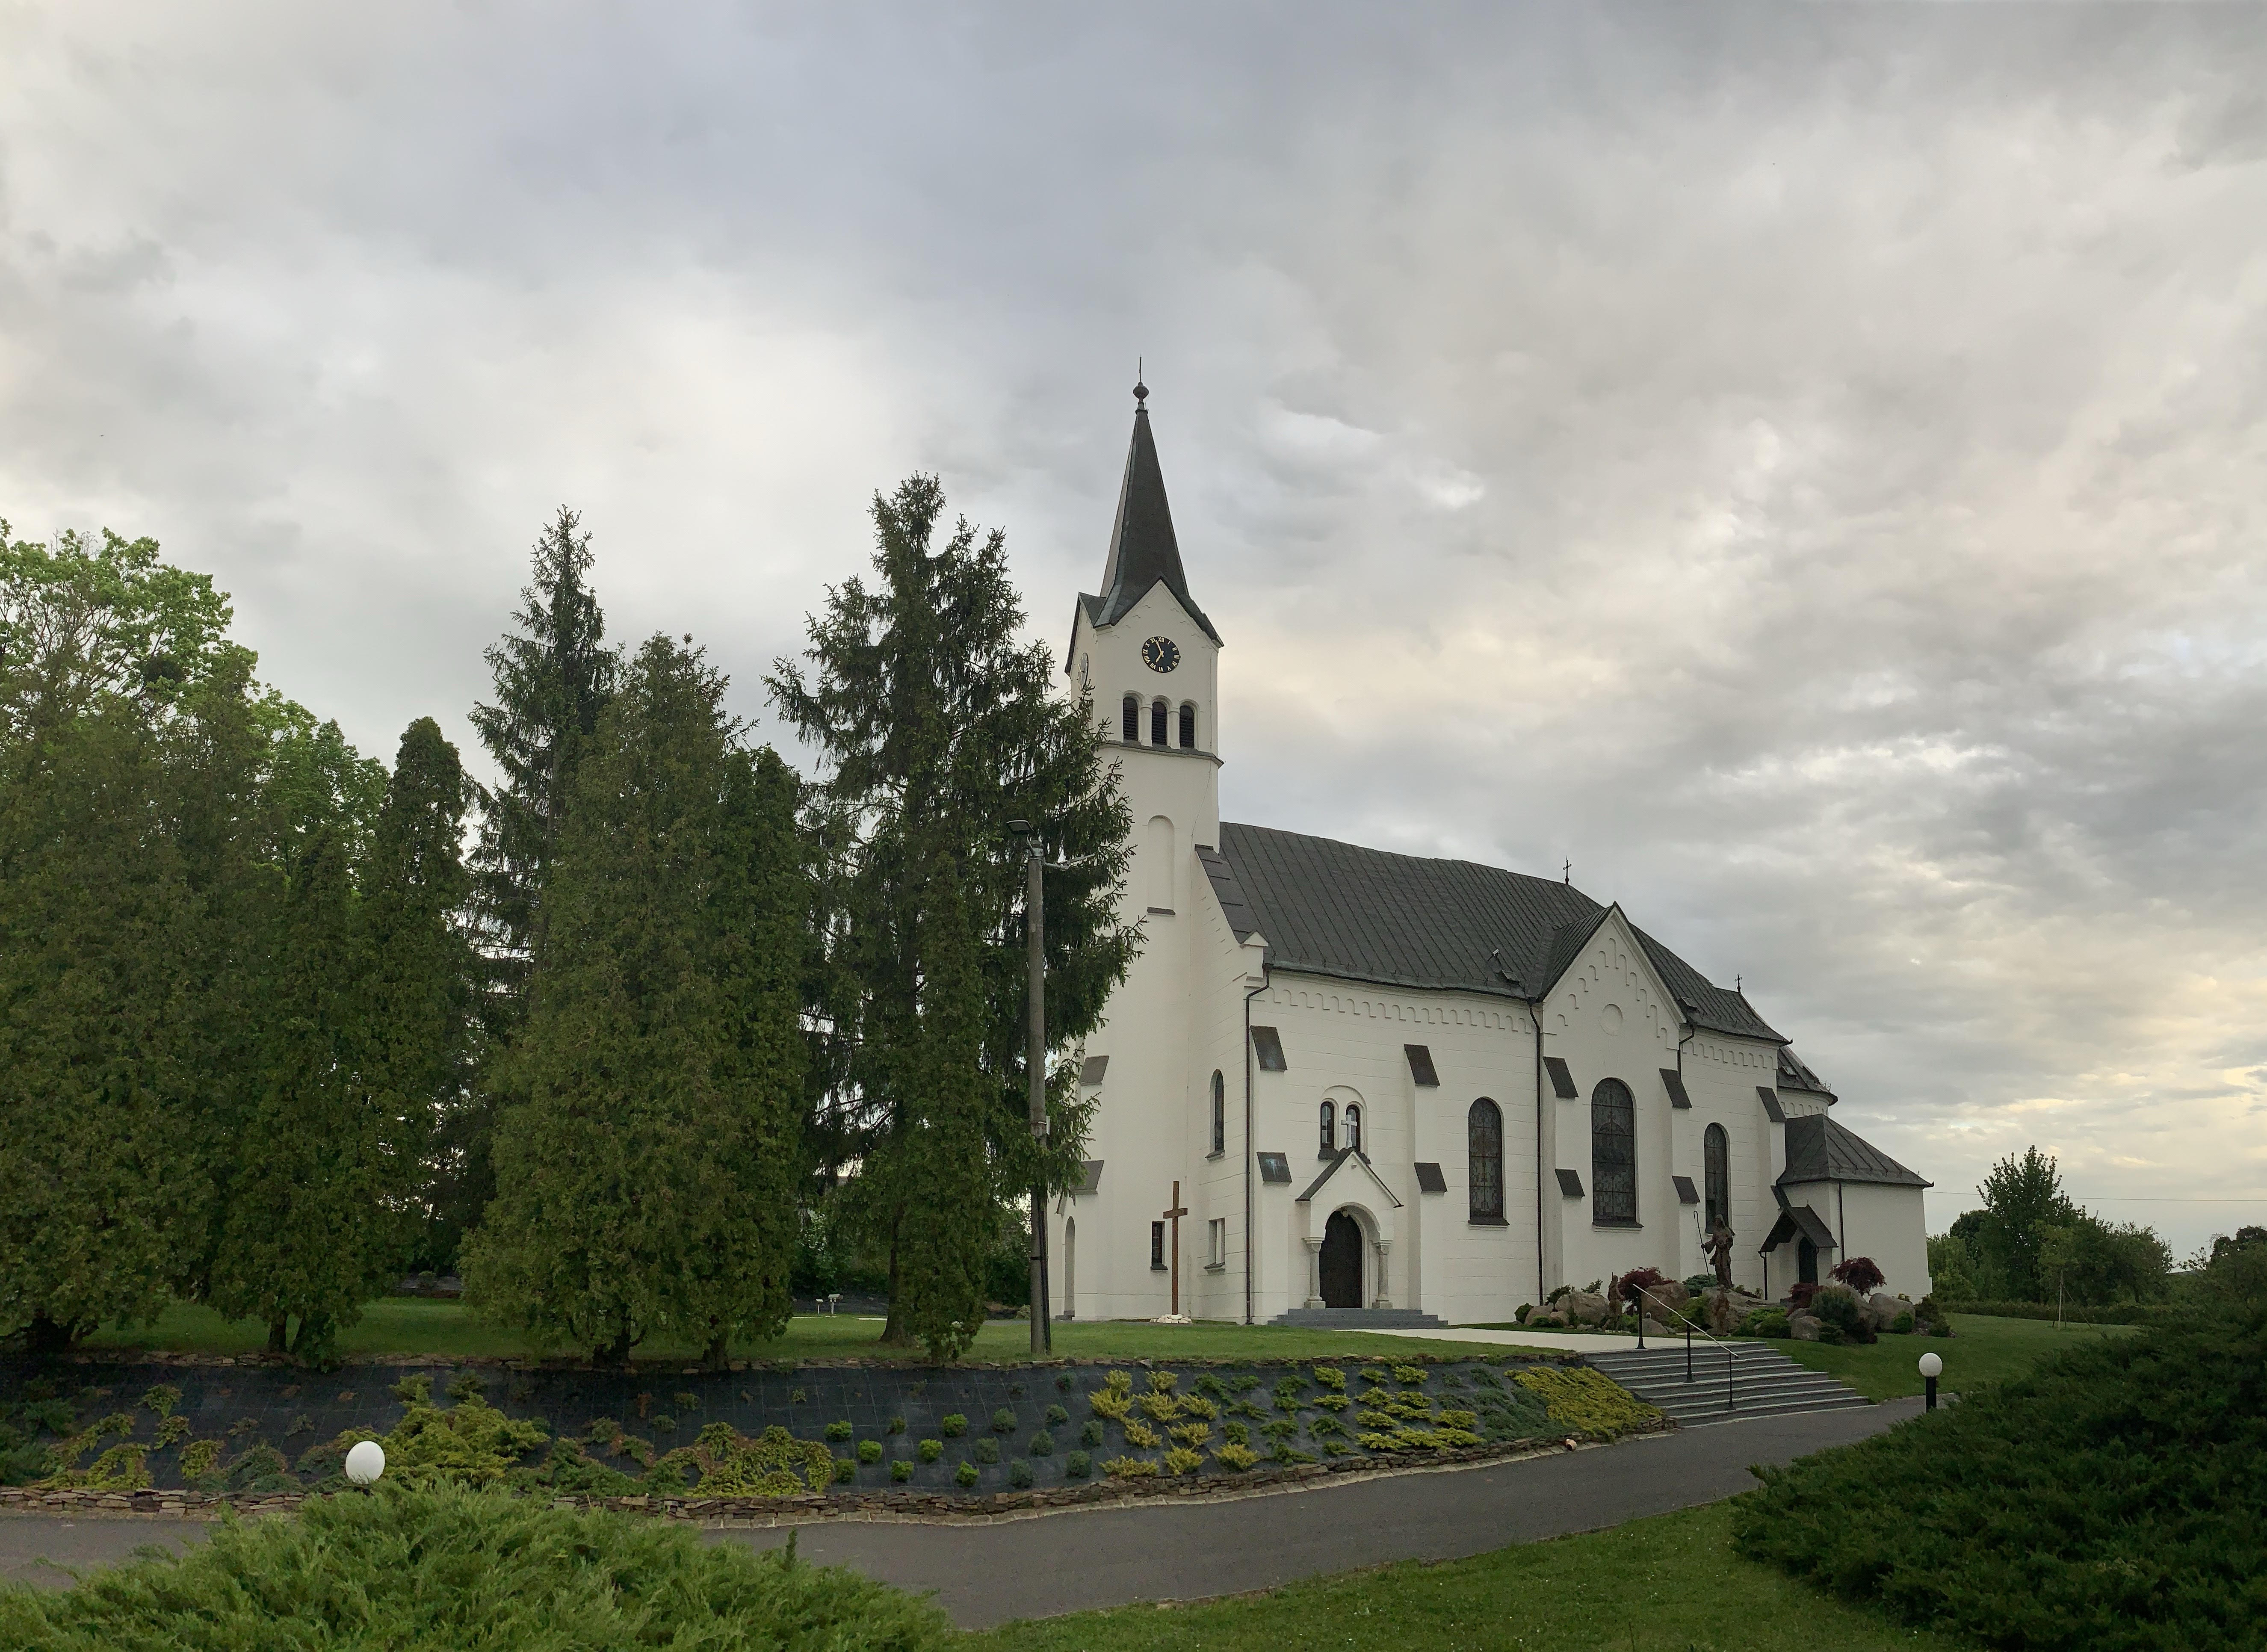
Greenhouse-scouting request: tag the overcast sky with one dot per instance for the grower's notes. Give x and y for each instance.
(1804, 465)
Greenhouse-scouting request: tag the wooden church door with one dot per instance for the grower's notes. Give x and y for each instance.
(1806, 1262)
(1341, 1262)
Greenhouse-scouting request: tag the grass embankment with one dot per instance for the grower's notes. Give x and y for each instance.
(442, 1571)
(2110, 1500)
(1666, 1584)
(402, 1325)
(1979, 1350)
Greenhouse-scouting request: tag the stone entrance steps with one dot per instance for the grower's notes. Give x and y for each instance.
(1764, 1382)
(1357, 1318)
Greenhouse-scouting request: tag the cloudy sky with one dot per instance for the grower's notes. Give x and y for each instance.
(1802, 464)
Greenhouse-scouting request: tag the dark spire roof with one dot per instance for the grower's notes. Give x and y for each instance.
(1142, 548)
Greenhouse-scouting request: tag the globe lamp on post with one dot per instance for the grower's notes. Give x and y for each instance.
(1932, 1367)
(365, 1462)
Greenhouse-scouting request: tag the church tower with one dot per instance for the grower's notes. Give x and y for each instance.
(1150, 658)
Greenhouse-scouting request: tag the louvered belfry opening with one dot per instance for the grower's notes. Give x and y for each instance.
(1130, 720)
(1158, 713)
(1188, 727)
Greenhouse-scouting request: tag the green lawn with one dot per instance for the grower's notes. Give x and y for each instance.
(1979, 1350)
(399, 1325)
(1668, 1584)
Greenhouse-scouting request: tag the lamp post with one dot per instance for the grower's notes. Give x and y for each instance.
(1035, 952)
(1932, 1367)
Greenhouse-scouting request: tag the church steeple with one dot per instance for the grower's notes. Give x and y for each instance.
(1143, 549)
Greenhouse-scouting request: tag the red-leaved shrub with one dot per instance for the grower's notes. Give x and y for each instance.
(1861, 1274)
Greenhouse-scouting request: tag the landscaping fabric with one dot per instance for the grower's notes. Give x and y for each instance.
(2113, 1498)
(768, 1433)
(441, 1571)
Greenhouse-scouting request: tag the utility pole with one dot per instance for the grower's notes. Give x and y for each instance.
(1035, 947)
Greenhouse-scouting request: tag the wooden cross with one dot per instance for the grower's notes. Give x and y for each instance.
(1174, 1216)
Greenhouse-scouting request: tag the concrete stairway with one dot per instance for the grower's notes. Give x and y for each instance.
(1356, 1319)
(1763, 1382)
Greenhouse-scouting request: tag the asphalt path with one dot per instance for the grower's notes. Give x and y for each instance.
(990, 1573)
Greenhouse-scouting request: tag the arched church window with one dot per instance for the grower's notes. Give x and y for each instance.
(1716, 1177)
(1219, 1114)
(1613, 1155)
(1353, 1126)
(1483, 1160)
(1130, 719)
(1330, 1127)
(1188, 727)
(1158, 712)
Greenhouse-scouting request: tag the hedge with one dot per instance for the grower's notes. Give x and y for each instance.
(2111, 1499)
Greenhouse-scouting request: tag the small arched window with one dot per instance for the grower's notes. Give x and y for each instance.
(1716, 1177)
(1613, 1155)
(1219, 1115)
(1353, 1126)
(1483, 1160)
(1158, 711)
(1330, 1127)
(1188, 727)
(1130, 719)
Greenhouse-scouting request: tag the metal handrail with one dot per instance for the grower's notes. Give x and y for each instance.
(1731, 1353)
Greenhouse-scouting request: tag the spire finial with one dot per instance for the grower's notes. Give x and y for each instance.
(1141, 390)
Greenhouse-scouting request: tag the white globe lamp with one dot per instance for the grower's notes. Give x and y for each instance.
(1932, 1367)
(367, 1461)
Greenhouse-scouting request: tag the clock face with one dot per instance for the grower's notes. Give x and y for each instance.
(1161, 653)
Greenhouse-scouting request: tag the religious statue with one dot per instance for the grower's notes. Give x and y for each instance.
(1719, 1253)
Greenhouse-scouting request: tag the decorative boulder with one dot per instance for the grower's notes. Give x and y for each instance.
(1669, 1294)
(1544, 1317)
(1583, 1307)
(1654, 1328)
(1803, 1327)
(1885, 1308)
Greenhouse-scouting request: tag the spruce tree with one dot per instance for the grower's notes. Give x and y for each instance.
(646, 1158)
(417, 1035)
(937, 725)
(552, 678)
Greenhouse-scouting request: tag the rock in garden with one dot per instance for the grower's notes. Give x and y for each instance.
(1583, 1308)
(1803, 1327)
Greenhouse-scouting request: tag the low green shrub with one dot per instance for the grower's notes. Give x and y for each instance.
(966, 1474)
(2111, 1499)
(1043, 1444)
(1019, 1473)
(1077, 1466)
(845, 1470)
(455, 1567)
(1091, 1433)
(931, 1449)
(1004, 1420)
(869, 1450)
(954, 1424)
(1579, 1400)
(1057, 1417)
(902, 1469)
(838, 1430)
(987, 1450)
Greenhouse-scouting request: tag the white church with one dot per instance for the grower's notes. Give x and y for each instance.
(1393, 1089)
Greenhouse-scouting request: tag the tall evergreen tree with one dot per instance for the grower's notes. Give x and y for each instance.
(418, 1027)
(97, 926)
(114, 669)
(937, 725)
(646, 1159)
(307, 1231)
(552, 678)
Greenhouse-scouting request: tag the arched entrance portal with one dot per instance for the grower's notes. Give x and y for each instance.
(1341, 1262)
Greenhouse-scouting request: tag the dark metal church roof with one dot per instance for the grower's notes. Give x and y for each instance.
(1818, 1150)
(1331, 908)
(1143, 549)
